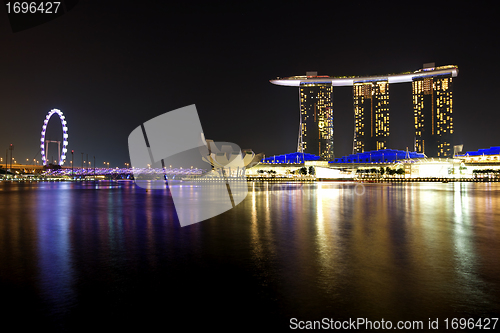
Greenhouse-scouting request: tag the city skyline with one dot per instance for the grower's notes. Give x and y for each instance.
(109, 69)
(161, 111)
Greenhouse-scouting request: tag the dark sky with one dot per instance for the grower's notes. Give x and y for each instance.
(112, 66)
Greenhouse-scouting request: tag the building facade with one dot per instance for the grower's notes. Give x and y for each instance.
(316, 120)
(371, 115)
(433, 114)
(432, 106)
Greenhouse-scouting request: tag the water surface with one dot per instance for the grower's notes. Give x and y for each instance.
(109, 255)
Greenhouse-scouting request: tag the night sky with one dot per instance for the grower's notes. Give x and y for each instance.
(112, 66)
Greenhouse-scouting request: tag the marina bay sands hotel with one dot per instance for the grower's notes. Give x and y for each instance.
(432, 108)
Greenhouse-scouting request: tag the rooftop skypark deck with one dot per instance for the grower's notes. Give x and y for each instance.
(295, 81)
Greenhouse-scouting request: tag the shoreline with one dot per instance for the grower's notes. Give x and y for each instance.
(287, 180)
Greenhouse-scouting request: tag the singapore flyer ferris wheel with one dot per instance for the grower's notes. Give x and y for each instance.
(44, 144)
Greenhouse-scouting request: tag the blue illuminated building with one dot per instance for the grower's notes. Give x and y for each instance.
(291, 158)
(378, 156)
(481, 152)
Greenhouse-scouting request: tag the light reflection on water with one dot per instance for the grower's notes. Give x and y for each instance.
(55, 274)
(314, 250)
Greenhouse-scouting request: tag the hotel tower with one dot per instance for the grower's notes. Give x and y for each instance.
(316, 119)
(433, 108)
(371, 115)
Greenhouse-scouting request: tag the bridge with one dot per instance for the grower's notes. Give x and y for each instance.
(100, 173)
(122, 173)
